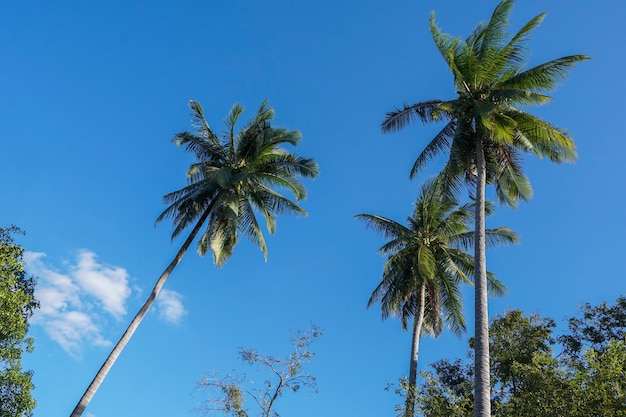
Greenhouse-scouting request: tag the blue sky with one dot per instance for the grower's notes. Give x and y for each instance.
(92, 93)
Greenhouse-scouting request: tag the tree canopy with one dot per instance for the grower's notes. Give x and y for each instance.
(17, 303)
(535, 373)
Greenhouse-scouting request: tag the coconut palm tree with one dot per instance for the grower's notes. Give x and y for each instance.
(425, 267)
(235, 177)
(486, 132)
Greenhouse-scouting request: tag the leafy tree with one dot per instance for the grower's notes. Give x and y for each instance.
(486, 133)
(229, 394)
(425, 268)
(595, 328)
(595, 350)
(17, 303)
(530, 379)
(234, 178)
(600, 379)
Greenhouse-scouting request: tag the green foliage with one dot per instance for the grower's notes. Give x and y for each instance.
(529, 379)
(228, 394)
(17, 303)
(236, 177)
(595, 328)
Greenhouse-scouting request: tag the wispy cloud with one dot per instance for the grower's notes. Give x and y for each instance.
(76, 302)
(108, 284)
(170, 306)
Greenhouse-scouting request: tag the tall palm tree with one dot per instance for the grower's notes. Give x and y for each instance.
(234, 178)
(486, 133)
(426, 265)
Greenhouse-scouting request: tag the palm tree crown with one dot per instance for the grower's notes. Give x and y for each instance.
(493, 87)
(429, 251)
(234, 177)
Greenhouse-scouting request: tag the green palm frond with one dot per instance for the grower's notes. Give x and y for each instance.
(426, 262)
(200, 123)
(425, 111)
(546, 139)
(510, 182)
(249, 225)
(544, 77)
(390, 229)
(450, 295)
(222, 231)
(203, 149)
(516, 50)
(435, 147)
(284, 164)
(495, 32)
(495, 287)
(275, 180)
(498, 236)
(231, 124)
(446, 44)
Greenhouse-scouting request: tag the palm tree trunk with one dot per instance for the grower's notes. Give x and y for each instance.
(482, 385)
(130, 330)
(418, 322)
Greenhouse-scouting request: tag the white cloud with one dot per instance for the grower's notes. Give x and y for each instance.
(170, 307)
(71, 304)
(108, 284)
(75, 303)
(70, 329)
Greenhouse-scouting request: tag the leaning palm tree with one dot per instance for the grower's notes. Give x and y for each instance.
(487, 131)
(235, 177)
(425, 267)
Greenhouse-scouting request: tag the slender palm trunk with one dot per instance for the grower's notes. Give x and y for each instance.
(482, 385)
(130, 330)
(418, 322)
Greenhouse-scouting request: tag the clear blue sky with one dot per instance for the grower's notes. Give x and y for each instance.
(91, 94)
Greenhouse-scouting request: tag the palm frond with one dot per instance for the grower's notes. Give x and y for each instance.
(436, 146)
(510, 182)
(426, 262)
(495, 31)
(199, 122)
(276, 203)
(545, 139)
(388, 228)
(544, 77)
(250, 226)
(445, 43)
(495, 287)
(222, 231)
(425, 111)
(275, 180)
(514, 53)
(204, 149)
